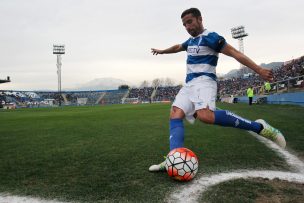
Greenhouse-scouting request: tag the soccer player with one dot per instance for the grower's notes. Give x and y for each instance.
(197, 97)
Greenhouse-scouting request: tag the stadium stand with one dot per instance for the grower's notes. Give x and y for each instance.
(90, 97)
(2, 97)
(73, 98)
(113, 97)
(166, 93)
(142, 94)
(287, 78)
(5, 80)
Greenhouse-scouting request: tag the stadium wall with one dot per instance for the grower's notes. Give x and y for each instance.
(296, 98)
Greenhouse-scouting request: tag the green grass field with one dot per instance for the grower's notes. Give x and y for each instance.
(102, 153)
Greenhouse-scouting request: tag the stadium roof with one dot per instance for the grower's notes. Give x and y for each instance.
(4, 81)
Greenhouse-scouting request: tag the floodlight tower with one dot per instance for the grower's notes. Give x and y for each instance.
(59, 49)
(239, 33)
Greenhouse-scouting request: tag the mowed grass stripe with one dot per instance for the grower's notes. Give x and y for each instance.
(94, 154)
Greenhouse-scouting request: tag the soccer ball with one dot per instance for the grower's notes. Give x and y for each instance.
(181, 164)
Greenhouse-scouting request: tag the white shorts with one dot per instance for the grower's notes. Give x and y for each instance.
(199, 93)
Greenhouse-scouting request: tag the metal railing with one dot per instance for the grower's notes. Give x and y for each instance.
(289, 85)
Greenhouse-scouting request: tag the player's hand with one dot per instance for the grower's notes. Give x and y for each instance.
(156, 51)
(266, 74)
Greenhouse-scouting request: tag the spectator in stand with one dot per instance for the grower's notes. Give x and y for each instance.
(291, 69)
(267, 87)
(143, 94)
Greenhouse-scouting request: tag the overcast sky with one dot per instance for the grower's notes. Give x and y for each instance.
(114, 38)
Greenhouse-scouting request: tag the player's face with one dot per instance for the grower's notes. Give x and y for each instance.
(193, 25)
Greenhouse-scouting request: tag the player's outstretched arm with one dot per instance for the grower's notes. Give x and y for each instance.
(174, 49)
(243, 59)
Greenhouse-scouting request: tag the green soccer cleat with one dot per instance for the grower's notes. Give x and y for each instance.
(272, 133)
(158, 168)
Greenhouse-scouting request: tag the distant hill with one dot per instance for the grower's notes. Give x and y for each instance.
(272, 65)
(100, 84)
(236, 73)
(232, 73)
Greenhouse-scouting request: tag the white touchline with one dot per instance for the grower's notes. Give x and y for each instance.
(291, 159)
(191, 192)
(7, 198)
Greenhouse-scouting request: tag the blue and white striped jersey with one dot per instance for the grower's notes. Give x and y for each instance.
(202, 54)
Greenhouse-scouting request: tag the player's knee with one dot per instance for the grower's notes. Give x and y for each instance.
(176, 113)
(206, 116)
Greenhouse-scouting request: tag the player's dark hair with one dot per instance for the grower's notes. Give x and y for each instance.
(194, 11)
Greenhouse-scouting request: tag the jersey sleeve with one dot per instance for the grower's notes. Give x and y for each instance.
(185, 44)
(215, 41)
